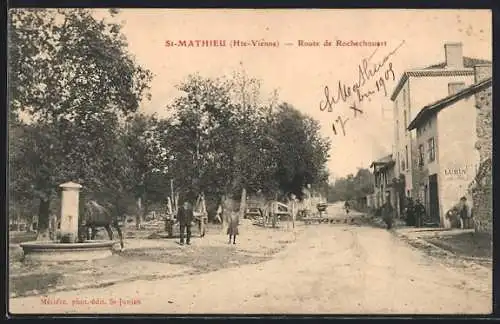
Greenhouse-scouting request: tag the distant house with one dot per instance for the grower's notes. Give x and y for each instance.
(417, 88)
(370, 201)
(383, 172)
(447, 159)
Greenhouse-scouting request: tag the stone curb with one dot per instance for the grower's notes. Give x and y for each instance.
(423, 242)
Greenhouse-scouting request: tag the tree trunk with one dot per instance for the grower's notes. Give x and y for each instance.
(145, 207)
(227, 209)
(43, 220)
(243, 203)
(138, 215)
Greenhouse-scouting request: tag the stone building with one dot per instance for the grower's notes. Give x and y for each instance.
(481, 188)
(416, 89)
(383, 171)
(448, 160)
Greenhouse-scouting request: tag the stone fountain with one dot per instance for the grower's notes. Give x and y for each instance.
(68, 248)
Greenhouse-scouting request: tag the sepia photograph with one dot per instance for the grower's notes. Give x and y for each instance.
(249, 161)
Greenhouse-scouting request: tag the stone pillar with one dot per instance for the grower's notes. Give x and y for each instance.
(69, 211)
(482, 72)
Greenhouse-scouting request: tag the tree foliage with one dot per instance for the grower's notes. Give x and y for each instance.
(352, 186)
(73, 77)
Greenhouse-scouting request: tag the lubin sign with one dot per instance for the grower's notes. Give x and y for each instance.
(455, 172)
(459, 172)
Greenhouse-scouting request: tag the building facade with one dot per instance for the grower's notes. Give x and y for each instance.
(416, 89)
(447, 159)
(481, 188)
(383, 172)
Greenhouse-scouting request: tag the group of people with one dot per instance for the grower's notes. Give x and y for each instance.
(460, 215)
(414, 212)
(185, 217)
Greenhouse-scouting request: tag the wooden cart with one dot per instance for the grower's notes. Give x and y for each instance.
(273, 212)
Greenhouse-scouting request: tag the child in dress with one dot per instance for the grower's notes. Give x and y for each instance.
(232, 228)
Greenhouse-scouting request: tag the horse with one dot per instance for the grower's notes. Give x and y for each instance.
(96, 215)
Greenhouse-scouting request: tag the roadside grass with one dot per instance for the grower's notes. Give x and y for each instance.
(468, 244)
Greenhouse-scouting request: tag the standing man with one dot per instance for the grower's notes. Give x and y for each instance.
(185, 217)
(347, 206)
(388, 213)
(410, 212)
(419, 212)
(464, 213)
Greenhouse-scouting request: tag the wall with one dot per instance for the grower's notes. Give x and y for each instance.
(482, 191)
(426, 131)
(457, 157)
(427, 90)
(401, 103)
(382, 185)
(415, 94)
(389, 175)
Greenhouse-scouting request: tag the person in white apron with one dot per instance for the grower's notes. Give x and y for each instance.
(232, 228)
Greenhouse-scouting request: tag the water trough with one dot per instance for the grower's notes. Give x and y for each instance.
(49, 251)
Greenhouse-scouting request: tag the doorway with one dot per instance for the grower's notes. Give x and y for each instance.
(434, 199)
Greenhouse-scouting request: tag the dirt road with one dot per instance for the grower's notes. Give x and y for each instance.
(331, 269)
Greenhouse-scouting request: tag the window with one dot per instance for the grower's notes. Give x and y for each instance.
(403, 165)
(420, 156)
(431, 149)
(406, 156)
(455, 87)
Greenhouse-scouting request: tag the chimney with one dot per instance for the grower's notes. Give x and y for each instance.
(453, 54)
(482, 72)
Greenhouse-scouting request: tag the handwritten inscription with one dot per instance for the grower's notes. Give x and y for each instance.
(371, 79)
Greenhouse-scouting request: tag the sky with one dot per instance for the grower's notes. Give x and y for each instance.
(300, 73)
